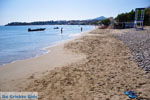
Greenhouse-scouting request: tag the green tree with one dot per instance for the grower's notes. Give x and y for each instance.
(147, 17)
(130, 16)
(106, 22)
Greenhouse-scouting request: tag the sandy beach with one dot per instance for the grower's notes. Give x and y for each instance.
(94, 66)
(14, 76)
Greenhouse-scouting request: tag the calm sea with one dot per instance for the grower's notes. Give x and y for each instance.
(16, 43)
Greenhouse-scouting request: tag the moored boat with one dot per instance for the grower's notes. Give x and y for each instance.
(39, 29)
(56, 27)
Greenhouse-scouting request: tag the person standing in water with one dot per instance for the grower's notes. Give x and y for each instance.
(61, 30)
(81, 29)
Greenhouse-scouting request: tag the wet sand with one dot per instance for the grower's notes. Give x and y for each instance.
(105, 74)
(14, 76)
(95, 66)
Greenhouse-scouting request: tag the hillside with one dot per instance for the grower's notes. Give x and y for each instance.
(62, 22)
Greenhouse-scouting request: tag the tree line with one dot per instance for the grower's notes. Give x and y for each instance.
(128, 17)
(123, 17)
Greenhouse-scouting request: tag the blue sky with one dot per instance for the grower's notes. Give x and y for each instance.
(43, 10)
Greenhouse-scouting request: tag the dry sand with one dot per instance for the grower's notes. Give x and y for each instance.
(14, 76)
(103, 70)
(105, 73)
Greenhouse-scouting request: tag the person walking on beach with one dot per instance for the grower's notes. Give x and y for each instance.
(81, 29)
(61, 30)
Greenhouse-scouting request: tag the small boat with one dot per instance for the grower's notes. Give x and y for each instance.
(39, 29)
(56, 27)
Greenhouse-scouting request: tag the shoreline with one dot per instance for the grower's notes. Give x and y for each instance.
(93, 66)
(46, 49)
(105, 74)
(32, 66)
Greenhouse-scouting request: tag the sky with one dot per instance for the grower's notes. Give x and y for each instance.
(45, 10)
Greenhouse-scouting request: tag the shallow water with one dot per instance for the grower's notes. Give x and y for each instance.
(16, 43)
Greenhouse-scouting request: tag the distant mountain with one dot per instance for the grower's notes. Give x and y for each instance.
(99, 18)
(70, 22)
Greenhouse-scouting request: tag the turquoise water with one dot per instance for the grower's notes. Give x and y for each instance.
(16, 43)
